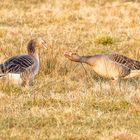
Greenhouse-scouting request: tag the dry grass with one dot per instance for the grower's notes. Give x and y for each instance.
(68, 102)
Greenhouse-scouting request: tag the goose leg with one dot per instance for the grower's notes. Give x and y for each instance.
(114, 82)
(31, 81)
(25, 83)
(25, 79)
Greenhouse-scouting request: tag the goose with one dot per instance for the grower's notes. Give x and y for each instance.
(25, 65)
(113, 66)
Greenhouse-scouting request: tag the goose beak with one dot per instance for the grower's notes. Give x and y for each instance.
(67, 54)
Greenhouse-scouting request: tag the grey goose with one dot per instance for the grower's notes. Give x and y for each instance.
(26, 65)
(109, 65)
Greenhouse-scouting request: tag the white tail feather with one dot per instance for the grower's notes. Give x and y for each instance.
(134, 73)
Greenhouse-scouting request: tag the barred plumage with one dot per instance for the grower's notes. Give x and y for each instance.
(123, 60)
(25, 65)
(18, 64)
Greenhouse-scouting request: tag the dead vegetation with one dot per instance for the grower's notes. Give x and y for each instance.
(68, 100)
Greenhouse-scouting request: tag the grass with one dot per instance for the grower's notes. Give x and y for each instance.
(68, 100)
(105, 40)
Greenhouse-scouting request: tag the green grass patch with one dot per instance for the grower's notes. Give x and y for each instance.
(105, 40)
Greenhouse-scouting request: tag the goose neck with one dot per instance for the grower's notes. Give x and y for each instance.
(84, 59)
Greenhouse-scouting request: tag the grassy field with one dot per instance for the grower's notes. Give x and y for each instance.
(69, 101)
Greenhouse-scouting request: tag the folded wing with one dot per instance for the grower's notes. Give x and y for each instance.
(125, 61)
(18, 64)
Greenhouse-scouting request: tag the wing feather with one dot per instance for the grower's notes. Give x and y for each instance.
(18, 64)
(123, 60)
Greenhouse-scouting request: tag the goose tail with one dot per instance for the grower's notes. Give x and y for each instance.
(133, 73)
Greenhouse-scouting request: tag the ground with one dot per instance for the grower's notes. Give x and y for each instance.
(68, 100)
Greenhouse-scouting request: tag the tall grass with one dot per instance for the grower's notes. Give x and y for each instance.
(68, 100)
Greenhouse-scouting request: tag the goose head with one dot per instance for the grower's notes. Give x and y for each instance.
(72, 56)
(36, 43)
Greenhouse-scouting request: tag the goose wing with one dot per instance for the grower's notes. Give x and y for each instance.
(125, 61)
(18, 64)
